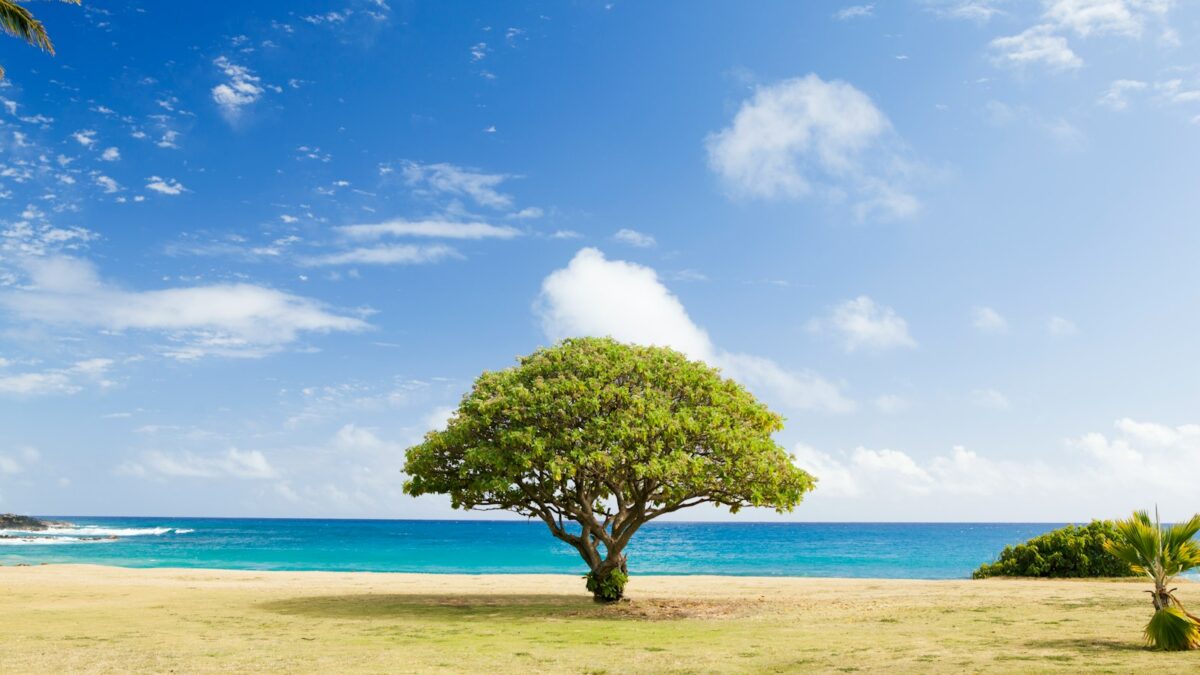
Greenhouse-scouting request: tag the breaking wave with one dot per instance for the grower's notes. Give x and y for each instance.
(81, 534)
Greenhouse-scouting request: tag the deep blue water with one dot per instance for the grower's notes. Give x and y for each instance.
(898, 550)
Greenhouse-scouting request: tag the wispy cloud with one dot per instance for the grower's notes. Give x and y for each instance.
(233, 463)
(447, 179)
(1035, 46)
(222, 319)
(165, 186)
(634, 238)
(854, 12)
(807, 135)
(440, 229)
(988, 320)
(397, 254)
(241, 88)
(68, 380)
(863, 324)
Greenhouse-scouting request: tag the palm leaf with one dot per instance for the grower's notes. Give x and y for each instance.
(1172, 630)
(19, 22)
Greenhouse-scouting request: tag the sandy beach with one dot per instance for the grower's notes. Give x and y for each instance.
(105, 619)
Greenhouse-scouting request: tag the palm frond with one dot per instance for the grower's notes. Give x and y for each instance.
(1137, 543)
(1172, 630)
(19, 22)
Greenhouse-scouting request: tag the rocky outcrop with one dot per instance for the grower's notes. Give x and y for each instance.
(11, 521)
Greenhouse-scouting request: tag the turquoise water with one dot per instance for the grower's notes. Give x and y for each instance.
(895, 550)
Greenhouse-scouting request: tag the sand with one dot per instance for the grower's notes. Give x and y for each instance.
(60, 618)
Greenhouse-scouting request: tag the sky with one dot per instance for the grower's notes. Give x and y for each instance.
(247, 258)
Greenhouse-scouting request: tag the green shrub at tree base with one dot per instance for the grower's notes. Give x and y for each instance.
(1074, 551)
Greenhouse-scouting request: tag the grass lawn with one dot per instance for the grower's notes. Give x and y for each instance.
(83, 618)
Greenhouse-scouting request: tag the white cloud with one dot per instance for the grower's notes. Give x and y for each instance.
(1036, 45)
(598, 297)
(899, 465)
(1157, 435)
(989, 399)
(1046, 44)
(835, 478)
(971, 10)
(988, 320)
(1105, 17)
(106, 183)
(893, 477)
(1174, 91)
(864, 324)
(28, 456)
(166, 186)
(241, 89)
(168, 139)
(69, 380)
(1060, 327)
(222, 319)
(85, 137)
(439, 417)
(233, 463)
(634, 238)
(110, 154)
(441, 229)
(399, 254)
(527, 212)
(1116, 96)
(1062, 132)
(854, 12)
(448, 179)
(890, 404)
(595, 296)
(806, 134)
(352, 438)
(9, 466)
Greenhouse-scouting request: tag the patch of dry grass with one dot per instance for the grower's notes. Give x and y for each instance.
(97, 619)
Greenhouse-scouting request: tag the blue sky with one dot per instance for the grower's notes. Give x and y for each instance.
(247, 258)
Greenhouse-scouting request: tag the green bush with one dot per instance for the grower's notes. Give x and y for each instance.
(609, 589)
(1071, 551)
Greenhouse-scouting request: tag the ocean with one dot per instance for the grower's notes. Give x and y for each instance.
(858, 550)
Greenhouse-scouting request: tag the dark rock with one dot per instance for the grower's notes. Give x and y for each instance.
(11, 521)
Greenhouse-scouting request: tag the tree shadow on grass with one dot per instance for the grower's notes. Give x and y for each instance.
(457, 607)
(1084, 647)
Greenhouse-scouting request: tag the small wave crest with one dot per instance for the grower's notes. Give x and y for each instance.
(69, 533)
(48, 541)
(97, 531)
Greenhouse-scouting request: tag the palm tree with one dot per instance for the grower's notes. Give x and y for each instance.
(19, 22)
(1161, 553)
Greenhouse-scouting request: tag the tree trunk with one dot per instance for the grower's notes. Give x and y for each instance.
(1161, 597)
(607, 580)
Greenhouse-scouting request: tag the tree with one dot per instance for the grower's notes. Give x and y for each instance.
(19, 22)
(596, 438)
(1162, 553)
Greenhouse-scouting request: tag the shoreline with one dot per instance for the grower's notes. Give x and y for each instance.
(558, 576)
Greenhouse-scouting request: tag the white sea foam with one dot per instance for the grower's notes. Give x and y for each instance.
(94, 531)
(44, 541)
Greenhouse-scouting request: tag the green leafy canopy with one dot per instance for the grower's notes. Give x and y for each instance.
(608, 436)
(1071, 551)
